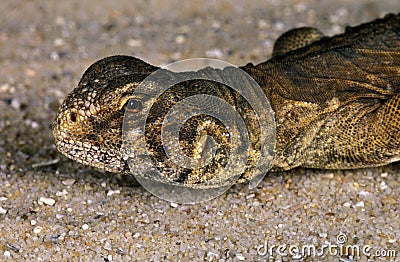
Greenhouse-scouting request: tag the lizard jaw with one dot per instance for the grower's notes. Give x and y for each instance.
(104, 159)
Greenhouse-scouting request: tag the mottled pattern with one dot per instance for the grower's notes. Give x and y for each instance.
(336, 102)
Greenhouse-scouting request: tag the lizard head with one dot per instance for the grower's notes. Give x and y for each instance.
(88, 125)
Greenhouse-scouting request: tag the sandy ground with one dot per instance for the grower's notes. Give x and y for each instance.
(54, 209)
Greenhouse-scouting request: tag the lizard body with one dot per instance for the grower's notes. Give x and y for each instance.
(336, 102)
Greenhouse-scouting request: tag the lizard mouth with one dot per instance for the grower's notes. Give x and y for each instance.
(91, 155)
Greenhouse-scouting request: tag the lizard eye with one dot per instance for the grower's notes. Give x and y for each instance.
(134, 105)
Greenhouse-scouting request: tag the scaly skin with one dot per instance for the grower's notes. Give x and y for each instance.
(336, 102)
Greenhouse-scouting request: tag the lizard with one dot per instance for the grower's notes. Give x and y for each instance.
(336, 102)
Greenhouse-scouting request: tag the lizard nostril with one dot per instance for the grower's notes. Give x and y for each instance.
(72, 118)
